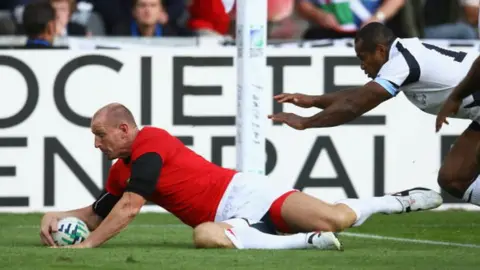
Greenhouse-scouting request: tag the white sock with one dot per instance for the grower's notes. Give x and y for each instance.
(472, 195)
(364, 208)
(251, 238)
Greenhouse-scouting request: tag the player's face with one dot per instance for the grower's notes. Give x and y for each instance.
(370, 62)
(111, 140)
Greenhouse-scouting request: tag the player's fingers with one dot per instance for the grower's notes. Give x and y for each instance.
(285, 99)
(45, 234)
(441, 119)
(53, 226)
(43, 239)
(279, 96)
(276, 117)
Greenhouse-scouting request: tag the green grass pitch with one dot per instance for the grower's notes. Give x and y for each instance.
(159, 241)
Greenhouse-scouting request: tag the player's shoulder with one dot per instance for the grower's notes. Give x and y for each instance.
(403, 54)
(153, 139)
(152, 133)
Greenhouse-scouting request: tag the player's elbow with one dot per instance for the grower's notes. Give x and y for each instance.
(131, 205)
(129, 210)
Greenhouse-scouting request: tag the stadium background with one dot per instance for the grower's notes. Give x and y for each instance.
(185, 82)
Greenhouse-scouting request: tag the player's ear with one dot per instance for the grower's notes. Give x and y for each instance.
(123, 127)
(383, 50)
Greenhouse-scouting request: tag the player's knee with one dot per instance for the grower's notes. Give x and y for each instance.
(453, 181)
(342, 219)
(336, 222)
(210, 235)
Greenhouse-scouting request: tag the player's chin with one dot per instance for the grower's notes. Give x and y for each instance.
(109, 155)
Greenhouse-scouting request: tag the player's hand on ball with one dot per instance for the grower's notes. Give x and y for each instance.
(47, 226)
(297, 99)
(449, 108)
(291, 119)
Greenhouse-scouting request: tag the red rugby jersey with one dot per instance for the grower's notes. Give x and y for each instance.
(189, 186)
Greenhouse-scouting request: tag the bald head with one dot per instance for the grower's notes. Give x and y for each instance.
(114, 114)
(115, 130)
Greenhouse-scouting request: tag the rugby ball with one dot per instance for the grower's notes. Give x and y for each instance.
(71, 231)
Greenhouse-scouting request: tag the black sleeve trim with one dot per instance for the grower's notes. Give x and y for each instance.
(145, 173)
(104, 204)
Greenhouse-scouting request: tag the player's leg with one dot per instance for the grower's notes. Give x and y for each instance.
(300, 212)
(246, 235)
(212, 235)
(459, 174)
(291, 211)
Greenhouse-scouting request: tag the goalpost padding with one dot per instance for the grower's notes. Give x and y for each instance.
(251, 118)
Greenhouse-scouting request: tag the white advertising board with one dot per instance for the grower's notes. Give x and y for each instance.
(48, 160)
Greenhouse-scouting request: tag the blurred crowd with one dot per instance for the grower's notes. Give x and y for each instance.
(287, 19)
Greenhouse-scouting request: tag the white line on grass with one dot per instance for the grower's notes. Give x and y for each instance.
(408, 240)
(356, 235)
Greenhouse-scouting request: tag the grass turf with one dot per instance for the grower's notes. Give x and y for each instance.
(159, 241)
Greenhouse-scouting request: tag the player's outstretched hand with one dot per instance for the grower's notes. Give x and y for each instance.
(449, 108)
(47, 226)
(297, 99)
(291, 119)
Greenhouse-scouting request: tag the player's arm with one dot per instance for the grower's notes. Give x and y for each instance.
(144, 176)
(469, 84)
(308, 101)
(344, 108)
(49, 222)
(324, 101)
(92, 215)
(350, 106)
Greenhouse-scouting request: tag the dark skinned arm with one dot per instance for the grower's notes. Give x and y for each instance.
(349, 106)
(470, 84)
(324, 101)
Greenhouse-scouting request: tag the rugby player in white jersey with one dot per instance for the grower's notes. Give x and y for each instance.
(426, 74)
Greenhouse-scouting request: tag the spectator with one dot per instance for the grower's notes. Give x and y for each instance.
(279, 20)
(7, 27)
(471, 8)
(112, 14)
(281, 25)
(149, 20)
(177, 12)
(209, 18)
(64, 10)
(342, 18)
(7, 4)
(447, 19)
(39, 25)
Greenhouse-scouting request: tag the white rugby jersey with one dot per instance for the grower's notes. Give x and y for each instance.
(427, 74)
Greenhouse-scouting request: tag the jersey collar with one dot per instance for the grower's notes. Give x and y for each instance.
(127, 160)
(391, 50)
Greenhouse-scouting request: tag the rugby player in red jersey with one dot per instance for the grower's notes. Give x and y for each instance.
(226, 208)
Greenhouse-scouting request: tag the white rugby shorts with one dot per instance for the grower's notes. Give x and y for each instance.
(249, 196)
